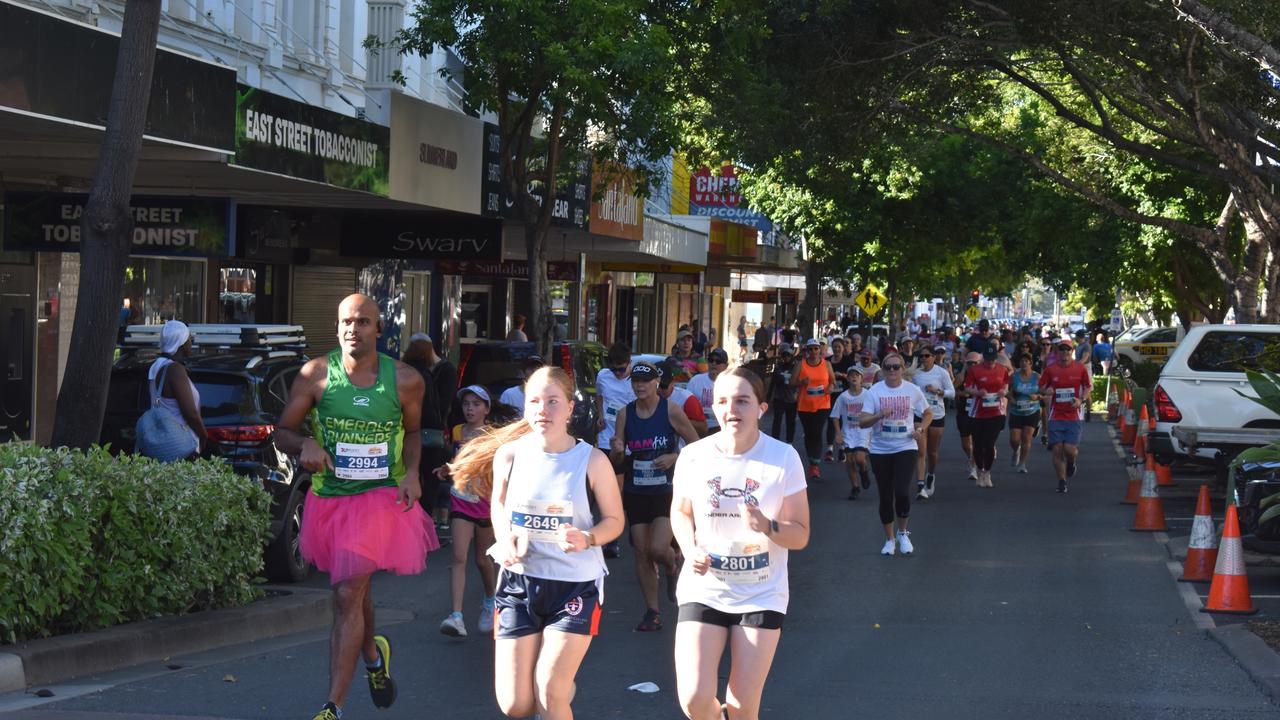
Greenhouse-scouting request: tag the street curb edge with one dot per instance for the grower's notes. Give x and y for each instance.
(51, 660)
(1254, 655)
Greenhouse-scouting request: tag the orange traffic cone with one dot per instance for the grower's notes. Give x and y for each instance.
(1229, 592)
(1140, 446)
(1134, 491)
(1202, 552)
(1151, 419)
(1140, 432)
(1128, 431)
(1164, 475)
(1150, 514)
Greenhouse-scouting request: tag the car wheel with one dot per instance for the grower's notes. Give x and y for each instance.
(284, 559)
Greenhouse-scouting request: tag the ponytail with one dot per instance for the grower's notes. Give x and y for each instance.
(472, 469)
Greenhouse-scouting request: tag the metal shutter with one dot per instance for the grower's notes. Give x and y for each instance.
(316, 294)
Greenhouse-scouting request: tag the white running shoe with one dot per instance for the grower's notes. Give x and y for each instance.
(929, 485)
(1022, 469)
(486, 615)
(453, 626)
(1013, 461)
(920, 492)
(973, 471)
(904, 542)
(889, 547)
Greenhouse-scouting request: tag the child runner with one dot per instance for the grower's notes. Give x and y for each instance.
(646, 446)
(892, 405)
(844, 418)
(551, 586)
(740, 505)
(469, 518)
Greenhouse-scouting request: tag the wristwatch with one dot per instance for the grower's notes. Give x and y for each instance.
(591, 538)
(773, 527)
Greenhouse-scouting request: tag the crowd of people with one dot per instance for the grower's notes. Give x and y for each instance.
(709, 501)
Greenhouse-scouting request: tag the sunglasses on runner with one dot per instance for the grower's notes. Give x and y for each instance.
(620, 369)
(893, 367)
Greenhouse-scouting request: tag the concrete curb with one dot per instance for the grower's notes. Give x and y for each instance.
(1253, 654)
(43, 662)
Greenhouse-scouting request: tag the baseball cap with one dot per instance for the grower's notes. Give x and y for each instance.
(718, 356)
(1063, 341)
(683, 334)
(990, 353)
(644, 372)
(476, 390)
(787, 349)
(854, 369)
(939, 349)
(812, 342)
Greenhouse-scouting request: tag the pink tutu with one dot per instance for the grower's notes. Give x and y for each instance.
(360, 534)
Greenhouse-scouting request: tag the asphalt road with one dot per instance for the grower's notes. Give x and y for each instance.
(1019, 602)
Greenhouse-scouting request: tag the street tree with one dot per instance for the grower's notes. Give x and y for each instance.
(107, 234)
(566, 78)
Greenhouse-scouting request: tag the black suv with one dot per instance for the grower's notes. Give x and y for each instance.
(242, 394)
(499, 365)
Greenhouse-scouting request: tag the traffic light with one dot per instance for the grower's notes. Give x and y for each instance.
(974, 297)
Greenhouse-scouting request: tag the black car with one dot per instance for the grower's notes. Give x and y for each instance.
(242, 395)
(499, 365)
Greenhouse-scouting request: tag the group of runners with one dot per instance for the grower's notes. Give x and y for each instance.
(717, 514)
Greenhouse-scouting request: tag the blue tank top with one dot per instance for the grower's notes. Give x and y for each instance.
(1022, 391)
(646, 439)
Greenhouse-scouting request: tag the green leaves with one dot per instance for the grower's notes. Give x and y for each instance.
(1267, 385)
(89, 540)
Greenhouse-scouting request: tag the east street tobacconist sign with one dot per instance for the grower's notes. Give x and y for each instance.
(50, 222)
(280, 135)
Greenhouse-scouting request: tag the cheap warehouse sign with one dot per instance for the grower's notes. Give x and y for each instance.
(50, 222)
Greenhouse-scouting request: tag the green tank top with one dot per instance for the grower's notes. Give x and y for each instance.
(361, 429)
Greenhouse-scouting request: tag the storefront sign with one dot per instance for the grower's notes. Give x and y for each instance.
(731, 240)
(430, 236)
(651, 267)
(64, 70)
(570, 207)
(280, 135)
(518, 269)
(618, 213)
(50, 222)
(435, 155)
(765, 297)
(717, 195)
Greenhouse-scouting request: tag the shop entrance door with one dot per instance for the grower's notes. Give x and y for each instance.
(415, 294)
(17, 328)
(624, 318)
(646, 322)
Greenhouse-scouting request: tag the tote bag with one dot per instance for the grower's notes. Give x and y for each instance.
(160, 433)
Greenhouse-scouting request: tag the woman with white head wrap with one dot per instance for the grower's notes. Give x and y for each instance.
(178, 394)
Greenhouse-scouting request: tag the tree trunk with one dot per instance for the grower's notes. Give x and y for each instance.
(812, 297)
(541, 323)
(1271, 311)
(1245, 285)
(107, 234)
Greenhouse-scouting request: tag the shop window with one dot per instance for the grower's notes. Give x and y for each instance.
(160, 289)
(237, 295)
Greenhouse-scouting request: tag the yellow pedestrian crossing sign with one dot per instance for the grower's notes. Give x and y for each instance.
(973, 313)
(871, 300)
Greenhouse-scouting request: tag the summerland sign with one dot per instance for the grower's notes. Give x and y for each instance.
(422, 236)
(50, 222)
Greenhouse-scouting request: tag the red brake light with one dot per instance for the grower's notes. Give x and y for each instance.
(1166, 411)
(241, 434)
(566, 361)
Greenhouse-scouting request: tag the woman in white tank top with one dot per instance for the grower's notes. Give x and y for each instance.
(551, 588)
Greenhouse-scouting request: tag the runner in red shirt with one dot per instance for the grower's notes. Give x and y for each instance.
(1066, 387)
(986, 385)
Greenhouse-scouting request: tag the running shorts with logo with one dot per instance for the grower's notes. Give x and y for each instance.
(528, 605)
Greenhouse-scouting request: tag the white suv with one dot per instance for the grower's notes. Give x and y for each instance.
(1197, 391)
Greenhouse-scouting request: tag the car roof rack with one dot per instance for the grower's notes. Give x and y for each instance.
(277, 338)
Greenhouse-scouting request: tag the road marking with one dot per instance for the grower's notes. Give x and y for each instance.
(1190, 598)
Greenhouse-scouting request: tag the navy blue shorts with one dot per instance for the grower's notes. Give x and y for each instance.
(528, 605)
(1065, 431)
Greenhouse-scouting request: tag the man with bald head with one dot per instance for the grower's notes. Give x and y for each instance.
(362, 514)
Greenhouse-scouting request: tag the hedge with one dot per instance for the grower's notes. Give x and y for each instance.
(89, 540)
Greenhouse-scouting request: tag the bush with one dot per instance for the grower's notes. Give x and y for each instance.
(88, 540)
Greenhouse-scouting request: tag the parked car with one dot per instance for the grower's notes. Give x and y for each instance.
(499, 365)
(1255, 482)
(242, 394)
(1139, 345)
(1199, 414)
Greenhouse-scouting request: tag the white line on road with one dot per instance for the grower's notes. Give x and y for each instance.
(1203, 621)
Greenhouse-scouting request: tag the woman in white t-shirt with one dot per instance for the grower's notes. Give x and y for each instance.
(739, 505)
(892, 406)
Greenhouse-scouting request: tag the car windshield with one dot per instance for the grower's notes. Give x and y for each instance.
(1235, 351)
(1132, 334)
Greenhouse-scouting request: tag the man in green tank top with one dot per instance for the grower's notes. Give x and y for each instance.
(361, 514)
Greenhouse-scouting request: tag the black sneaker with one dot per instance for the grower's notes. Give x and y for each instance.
(381, 687)
(853, 494)
(1062, 487)
(328, 711)
(652, 621)
(866, 480)
(1071, 468)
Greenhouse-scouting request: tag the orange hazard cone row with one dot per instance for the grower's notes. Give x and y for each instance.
(1202, 552)
(1129, 430)
(1149, 516)
(1140, 433)
(1229, 592)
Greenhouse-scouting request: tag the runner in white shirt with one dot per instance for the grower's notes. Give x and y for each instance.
(870, 371)
(934, 379)
(613, 392)
(513, 397)
(701, 385)
(844, 418)
(891, 407)
(740, 504)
